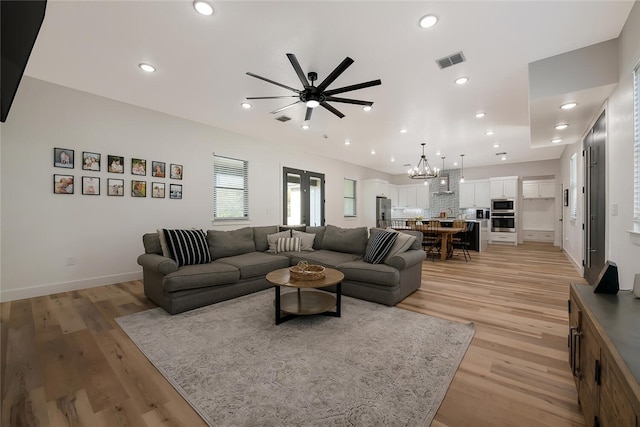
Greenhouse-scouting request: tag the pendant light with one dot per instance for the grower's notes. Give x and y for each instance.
(443, 181)
(461, 167)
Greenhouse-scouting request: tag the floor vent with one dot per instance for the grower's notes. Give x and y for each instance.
(283, 119)
(450, 60)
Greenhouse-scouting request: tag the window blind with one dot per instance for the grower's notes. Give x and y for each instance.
(573, 187)
(230, 188)
(636, 144)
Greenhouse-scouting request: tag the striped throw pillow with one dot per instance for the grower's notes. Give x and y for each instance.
(379, 246)
(288, 244)
(188, 247)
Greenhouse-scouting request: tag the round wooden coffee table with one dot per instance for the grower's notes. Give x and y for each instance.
(307, 302)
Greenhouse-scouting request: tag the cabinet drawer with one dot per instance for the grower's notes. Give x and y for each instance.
(529, 235)
(503, 237)
(545, 236)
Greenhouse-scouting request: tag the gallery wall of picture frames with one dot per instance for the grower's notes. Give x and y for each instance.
(65, 183)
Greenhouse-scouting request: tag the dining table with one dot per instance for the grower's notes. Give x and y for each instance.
(446, 234)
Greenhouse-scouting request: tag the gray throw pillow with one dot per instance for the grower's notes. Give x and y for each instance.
(229, 243)
(272, 239)
(319, 232)
(347, 240)
(260, 236)
(306, 240)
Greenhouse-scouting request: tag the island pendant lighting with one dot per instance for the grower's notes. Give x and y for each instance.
(461, 167)
(423, 170)
(443, 181)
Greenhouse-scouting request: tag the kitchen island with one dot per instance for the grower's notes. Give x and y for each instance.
(479, 237)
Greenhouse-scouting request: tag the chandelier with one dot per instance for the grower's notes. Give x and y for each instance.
(423, 170)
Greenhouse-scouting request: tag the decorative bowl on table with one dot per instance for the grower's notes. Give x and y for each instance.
(306, 271)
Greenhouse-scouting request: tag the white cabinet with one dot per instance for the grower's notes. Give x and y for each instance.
(497, 237)
(413, 196)
(474, 194)
(393, 194)
(537, 236)
(538, 189)
(504, 188)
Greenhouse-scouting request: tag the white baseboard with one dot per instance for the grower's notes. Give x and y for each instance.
(54, 288)
(578, 265)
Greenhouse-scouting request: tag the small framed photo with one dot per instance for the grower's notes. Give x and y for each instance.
(62, 184)
(115, 164)
(138, 188)
(115, 187)
(91, 185)
(157, 169)
(138, 167)
(157, 190)
(63, 158)
(90, 161)
(175, 191)
(176, 171)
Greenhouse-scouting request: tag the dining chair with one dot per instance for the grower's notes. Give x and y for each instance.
(431, 238)
(462, 241)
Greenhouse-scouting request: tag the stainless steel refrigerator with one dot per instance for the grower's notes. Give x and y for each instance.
(383, 212)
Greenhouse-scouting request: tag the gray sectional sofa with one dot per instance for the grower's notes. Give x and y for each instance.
(242, 258)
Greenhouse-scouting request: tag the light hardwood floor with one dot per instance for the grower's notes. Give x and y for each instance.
(65, 362)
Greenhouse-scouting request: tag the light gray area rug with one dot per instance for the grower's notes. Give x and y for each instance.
(374, 366)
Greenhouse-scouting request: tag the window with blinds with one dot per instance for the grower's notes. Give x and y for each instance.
(573, 187)
(349, 197)
(230, 188)
(636, 144)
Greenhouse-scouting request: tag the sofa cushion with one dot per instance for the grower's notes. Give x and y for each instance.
(188, 247)
(319, 232)
(288, 244)
(151, 243)
(323, 257)
(163, 243)
(229, 243)
(379, 245)
(306, 239)
(379, 274)
(260, 236)
(200, 276)
(349, 240)
(272, 239)
(255, 264)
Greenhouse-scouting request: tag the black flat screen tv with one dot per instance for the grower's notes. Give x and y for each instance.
(20, 22)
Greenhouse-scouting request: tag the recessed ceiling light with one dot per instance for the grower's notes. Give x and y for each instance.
(496, 145)
(403, 131)
(305, 126)
(569, 105)
(428, 21)
(393, 159)
(556, 140)
(246, 105)
(489, 133)
(373, 152)
(561, 126)
(461, 80)
(147, 67)
(480, 115)
(455, 163)
(203, 7)
(367, 108)
(504, 157)
(347, 142)
(438, 153)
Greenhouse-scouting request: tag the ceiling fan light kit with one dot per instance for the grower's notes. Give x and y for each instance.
(315, 96)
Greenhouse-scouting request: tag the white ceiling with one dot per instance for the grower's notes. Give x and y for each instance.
(95, 46)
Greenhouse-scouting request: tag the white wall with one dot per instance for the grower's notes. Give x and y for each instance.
(621, 248)
(573, 235)
(42, 230)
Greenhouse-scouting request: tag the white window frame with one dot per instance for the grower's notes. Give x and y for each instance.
(230, 175)
(573, 187)
(636, 146)
(350, 198)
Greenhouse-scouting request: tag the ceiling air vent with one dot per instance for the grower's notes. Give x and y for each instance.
(450, 60)
(283, 119)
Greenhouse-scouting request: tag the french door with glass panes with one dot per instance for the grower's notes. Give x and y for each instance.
(303, 196)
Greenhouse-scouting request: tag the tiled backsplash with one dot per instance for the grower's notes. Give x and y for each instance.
(449, 203)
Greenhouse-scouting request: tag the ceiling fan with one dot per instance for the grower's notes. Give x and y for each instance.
(313, 96)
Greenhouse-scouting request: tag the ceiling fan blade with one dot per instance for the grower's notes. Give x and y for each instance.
(298, 69)
(272, 82)
(348, 101)
(307, 116)
(335, 73)
(285, 107)
(353, 87)
(271, 97)
(333, 110)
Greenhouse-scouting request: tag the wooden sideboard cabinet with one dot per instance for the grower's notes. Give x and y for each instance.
(604, 353)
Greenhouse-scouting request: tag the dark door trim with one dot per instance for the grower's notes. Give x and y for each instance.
(305, 186)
